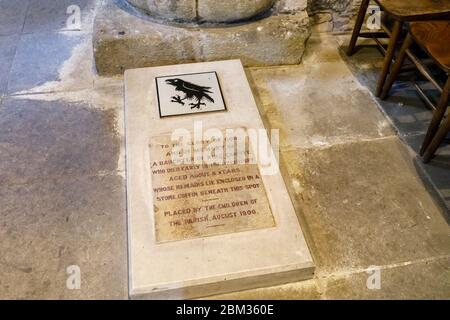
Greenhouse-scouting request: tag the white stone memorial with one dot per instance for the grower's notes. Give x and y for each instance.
(202, 227)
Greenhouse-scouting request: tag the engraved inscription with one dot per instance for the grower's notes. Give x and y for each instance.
(198, 199)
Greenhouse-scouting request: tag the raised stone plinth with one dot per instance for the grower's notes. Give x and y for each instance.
(126, 38)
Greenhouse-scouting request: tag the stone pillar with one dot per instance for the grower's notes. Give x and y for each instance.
(143, 33)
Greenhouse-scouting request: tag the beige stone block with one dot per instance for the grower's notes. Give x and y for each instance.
(271, 41)
(204, 10)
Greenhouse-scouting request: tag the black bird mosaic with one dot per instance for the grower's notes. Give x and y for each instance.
(191, 91)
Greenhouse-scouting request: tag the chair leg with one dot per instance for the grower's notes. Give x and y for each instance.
(397, 66)
(440, 136)
(433, 130)
(358, 24)
(389, 55)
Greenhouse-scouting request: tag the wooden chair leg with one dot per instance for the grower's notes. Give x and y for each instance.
(389, 55)
(427, 148)
(358, 24)
(397, 66)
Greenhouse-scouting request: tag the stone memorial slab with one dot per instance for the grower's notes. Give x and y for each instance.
(201, 200)
(206, 213)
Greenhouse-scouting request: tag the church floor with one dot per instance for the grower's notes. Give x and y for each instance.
(362, 197)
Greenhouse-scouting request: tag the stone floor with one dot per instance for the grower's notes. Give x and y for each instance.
(362, 197)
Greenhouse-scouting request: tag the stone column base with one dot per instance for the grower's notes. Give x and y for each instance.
(125, 39)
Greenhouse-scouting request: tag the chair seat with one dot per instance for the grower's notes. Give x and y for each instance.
(434, 37)
(407, 10)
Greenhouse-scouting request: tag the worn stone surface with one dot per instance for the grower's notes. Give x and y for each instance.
(356, 200)
(204, 10)
(41, 57)
(53, 15)
(257, 257)
(183, 206)
(42, 139)
(52, 224)
(271, 41)
(61, 185)
(290, 101)
(304, 290)
(62, 195)
(404, 108)
(426, 279)
(357, 218)
(40, 271)
(7, 52)
(321, 48)
(406, 111)
(365, 64)
(338, 5)
(340, 14)
(290, 6)
(136, 42)
(169, 9)
(322, 22)
(232, 10)
(438, 170)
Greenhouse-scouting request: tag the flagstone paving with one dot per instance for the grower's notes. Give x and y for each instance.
(363, 200)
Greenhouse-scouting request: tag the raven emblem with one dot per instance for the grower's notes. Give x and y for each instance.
(191, 92)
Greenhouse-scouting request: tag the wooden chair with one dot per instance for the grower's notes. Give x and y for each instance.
(434, 38)
(400, 11)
